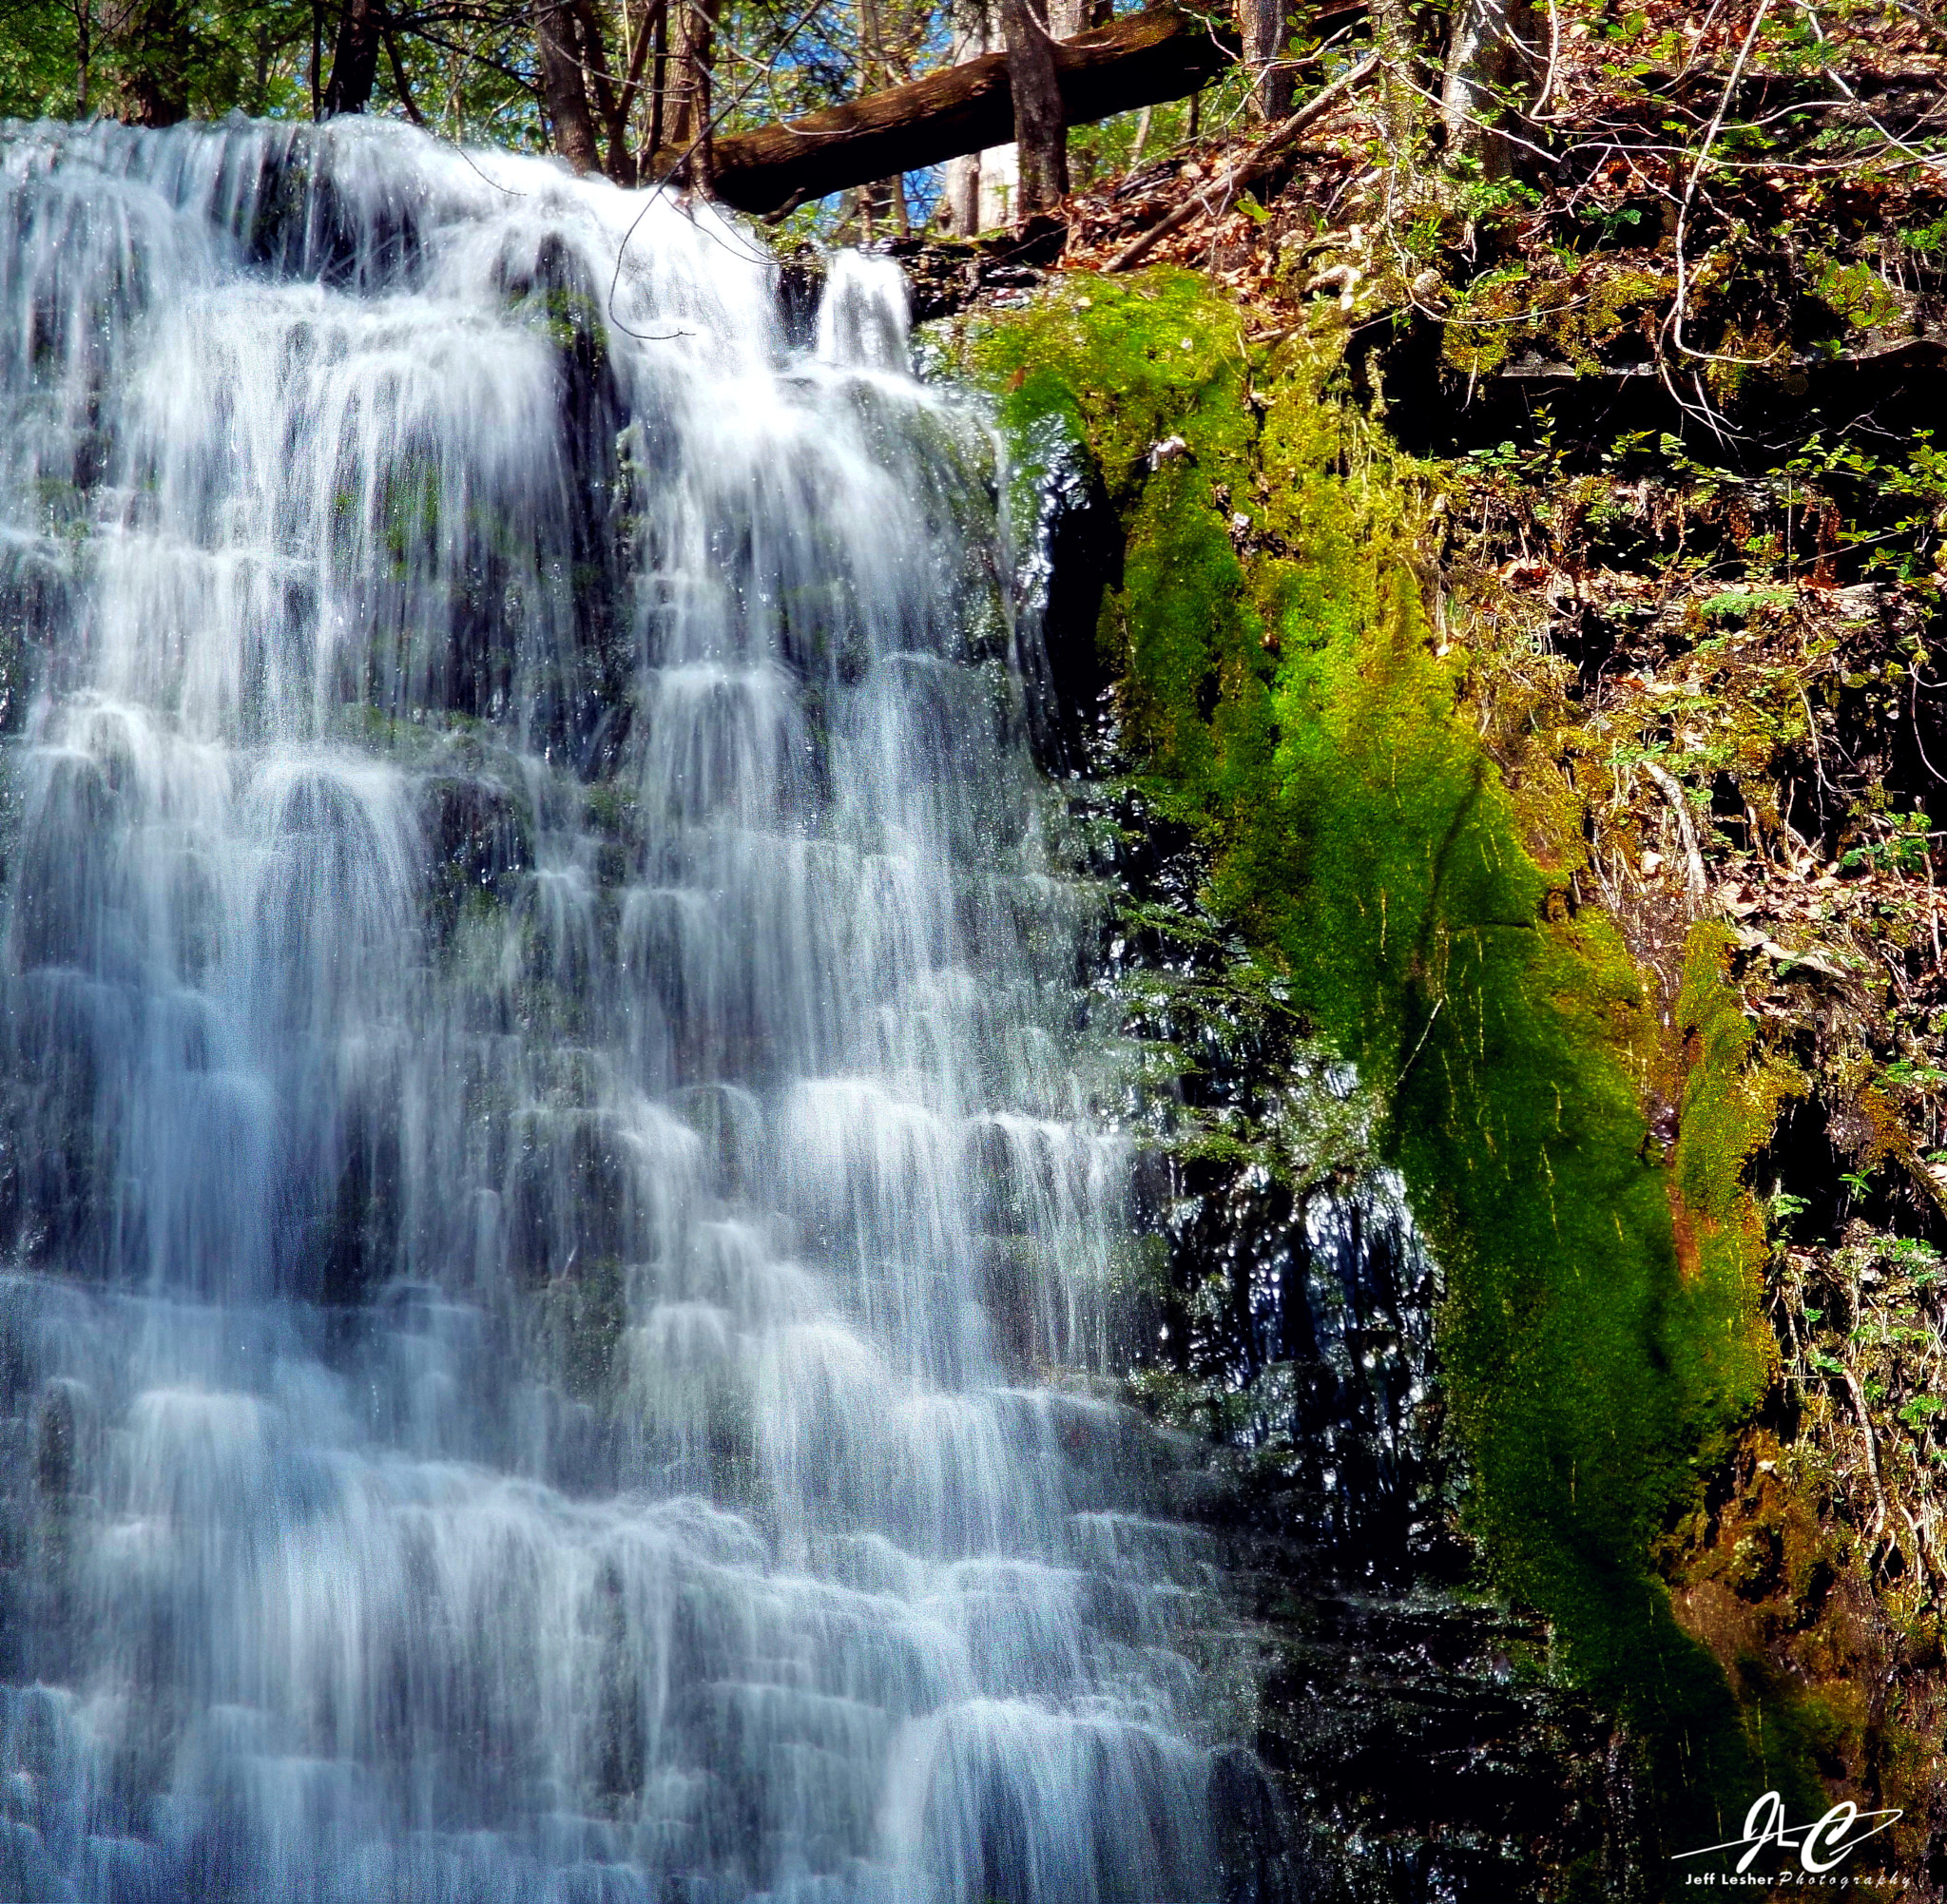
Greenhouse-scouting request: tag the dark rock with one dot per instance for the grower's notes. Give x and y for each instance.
(1074, 554)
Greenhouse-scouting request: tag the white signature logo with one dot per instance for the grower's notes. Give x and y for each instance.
(1821, 1847)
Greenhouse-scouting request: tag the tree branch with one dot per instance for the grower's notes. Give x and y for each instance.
(1254, 163)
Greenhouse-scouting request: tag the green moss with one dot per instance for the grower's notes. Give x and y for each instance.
(570, 319)
(578, 1323)
(1179, 637)
(1736, 606)
(1569, 316)
(1284, 694)
(1155, 377)
(1731, 1097)
(1588, 1379)
(1132, 362)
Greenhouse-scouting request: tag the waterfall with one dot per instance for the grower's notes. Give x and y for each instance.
(556, 1205)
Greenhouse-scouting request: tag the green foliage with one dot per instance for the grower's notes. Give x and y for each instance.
(1898, 506)
(1856, 295)
(58, 60)
(1481, 197)
(1906, 850)
(1927, 239)
(1611, 225)
(38, 68)
(464, 69)
(1737, 605)
(1284, 695)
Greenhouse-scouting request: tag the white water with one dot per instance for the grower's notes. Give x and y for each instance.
(544, 1141)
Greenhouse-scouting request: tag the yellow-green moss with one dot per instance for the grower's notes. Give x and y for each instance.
(1283, 693)
(1731, 1094)
(1568, 317)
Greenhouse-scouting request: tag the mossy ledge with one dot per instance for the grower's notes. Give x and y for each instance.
(1286, 685)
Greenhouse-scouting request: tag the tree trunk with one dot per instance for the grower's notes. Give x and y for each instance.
(881, 196)
(570, 126)
(1041, 135)
(1139, 59)
(608, 102)
(960, 194)
(1392, 40)
(353, 59)
(84, 54)
(871, 68)
(1000, 185)
(1065, 18)
(659, 86)
(1261, 27)
(144, 47)
(960, 186)
(1489, 58)
(689, 104)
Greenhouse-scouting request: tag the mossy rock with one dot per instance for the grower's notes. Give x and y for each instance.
(1285, 696)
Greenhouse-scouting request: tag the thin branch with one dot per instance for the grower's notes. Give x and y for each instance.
(1671, 789)
(399, 73)
(1674, 324)
(638, 53)
(507, 73)
(1246, 169)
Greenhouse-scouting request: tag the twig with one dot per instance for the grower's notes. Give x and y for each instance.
(1812, 731)
(1424, 1031)
(1933, 907)
(1928, 1565)
(1533, 114)
(1667, 784)
(398, 76)
(1931, 160)
(1913, 714)
(1859, 1402)
(1675, 323)
(1246, 169)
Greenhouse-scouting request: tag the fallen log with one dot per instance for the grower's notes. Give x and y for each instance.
(1142, 58)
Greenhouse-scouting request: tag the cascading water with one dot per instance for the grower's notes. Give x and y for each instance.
(545, 1125)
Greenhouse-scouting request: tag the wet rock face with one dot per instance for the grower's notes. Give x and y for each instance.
(1417, 1744)
(1072, 553)
(482, 845)
(1410, 1742)
(1430, 1759)
(317, 215)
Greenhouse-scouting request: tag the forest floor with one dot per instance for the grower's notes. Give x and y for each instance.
(1673, 379)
